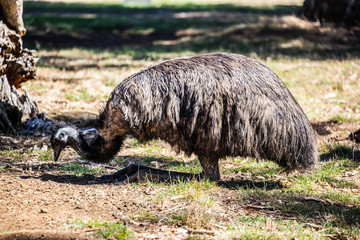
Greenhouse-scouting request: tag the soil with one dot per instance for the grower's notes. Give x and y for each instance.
(39, 200)
(35, 203)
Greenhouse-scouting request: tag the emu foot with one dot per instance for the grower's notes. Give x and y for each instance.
(139, 173)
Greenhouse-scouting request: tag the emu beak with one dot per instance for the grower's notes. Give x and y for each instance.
(57, 148)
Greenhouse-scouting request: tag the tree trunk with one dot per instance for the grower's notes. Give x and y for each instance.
(345, 12)
(17, 65)
(13, 106)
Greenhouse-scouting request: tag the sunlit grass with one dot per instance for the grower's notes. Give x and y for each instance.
(78, 169)
(264, 168)
(258, 227)
(82, 95)
(322, 194)
(10, 153)
(104, 229)
(191, 203)
(150, 5)
(17, 155)
(45, 155)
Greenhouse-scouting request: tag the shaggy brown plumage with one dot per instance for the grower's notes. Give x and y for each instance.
(213, 105)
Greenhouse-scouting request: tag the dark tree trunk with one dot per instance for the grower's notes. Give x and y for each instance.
(345, 12)
(17, 65)
(14, 106)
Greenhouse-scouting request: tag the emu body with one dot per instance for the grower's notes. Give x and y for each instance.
(212, 105)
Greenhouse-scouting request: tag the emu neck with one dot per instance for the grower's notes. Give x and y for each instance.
(100, 150)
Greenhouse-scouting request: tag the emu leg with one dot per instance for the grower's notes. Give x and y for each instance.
(210, 166)
(138, 173)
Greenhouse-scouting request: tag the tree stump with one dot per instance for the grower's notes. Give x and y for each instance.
(13, 106)
(345, 12)
(17, 65)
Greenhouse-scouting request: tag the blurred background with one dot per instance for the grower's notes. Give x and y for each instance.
(87, 47)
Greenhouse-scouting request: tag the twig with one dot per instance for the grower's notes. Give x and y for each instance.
(97, 164)
(315, 226)
(314, 199)
(341, 139)
(173, 209)
(353, 151)
(218, 226)
(259, 207)
(201, 231)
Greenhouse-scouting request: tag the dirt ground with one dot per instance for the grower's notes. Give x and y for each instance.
(38, 200)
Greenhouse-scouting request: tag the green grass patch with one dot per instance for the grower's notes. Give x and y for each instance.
(317, 208)
(3, 168)
(111, 83)
(45, 155)
(146, 216)
(153, 149)
(169, 162)
(258, 227)
(82, 95)
(190, 191)
(163, 6)
(79, 169)
(192, 166)
(340, 118)
(192, 203)
(336, 151)
(11, 155)
(323, 197)
(133, 142)
(267, 169)
(104, 229)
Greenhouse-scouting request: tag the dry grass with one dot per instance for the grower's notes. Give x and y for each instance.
(325, 89)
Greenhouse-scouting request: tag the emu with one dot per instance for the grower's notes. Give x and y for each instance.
(213, 105)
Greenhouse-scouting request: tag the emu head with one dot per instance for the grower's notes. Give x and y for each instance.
(62, 138)
(80, 140)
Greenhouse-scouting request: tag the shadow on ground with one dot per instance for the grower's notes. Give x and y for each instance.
(81, 173)
(269, 198)
(251, 184)
(302, 207)
(342, 152)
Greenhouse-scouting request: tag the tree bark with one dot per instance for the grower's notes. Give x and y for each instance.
(17, 65)
(13, 106)
(344, 12)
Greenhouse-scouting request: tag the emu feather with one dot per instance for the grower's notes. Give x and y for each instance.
(212, 105)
